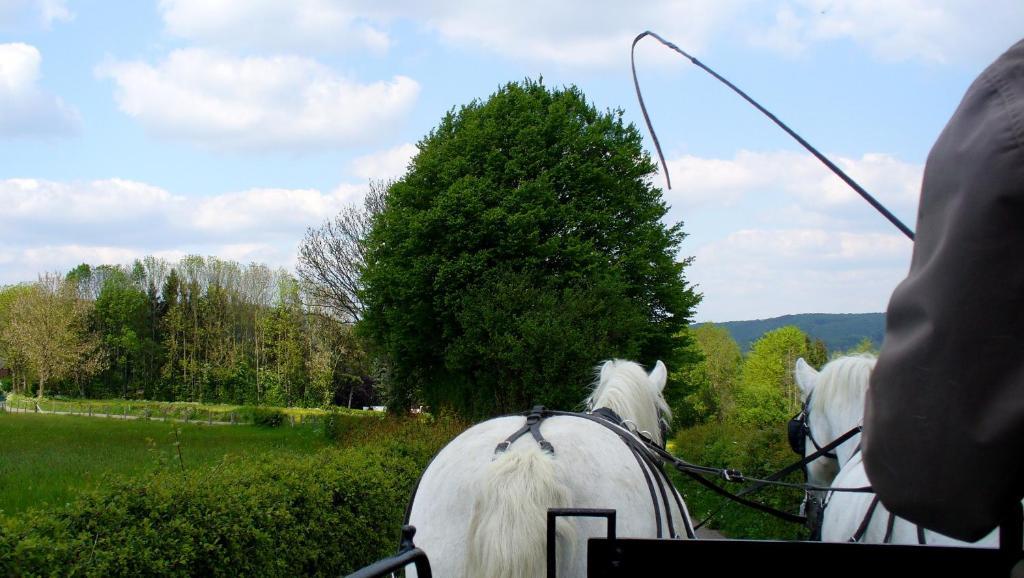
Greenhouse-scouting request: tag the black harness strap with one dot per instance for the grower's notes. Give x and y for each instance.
(648, 461)
(920, 536)
(533, 419)
(866, 521)
(649, 466)
(888, 529)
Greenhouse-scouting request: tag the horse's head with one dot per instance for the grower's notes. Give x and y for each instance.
(625, 388)
(833, 404)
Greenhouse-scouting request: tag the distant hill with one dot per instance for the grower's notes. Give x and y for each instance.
(839, 331)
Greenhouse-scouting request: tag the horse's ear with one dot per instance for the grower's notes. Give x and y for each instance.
(806, 376)
(659, 375)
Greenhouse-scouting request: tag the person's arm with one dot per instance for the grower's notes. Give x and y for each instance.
(944, 420)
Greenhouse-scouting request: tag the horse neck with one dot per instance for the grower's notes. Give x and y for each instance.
(841, 419)
(627, 403)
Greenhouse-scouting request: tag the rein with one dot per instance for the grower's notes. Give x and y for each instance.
(651, 457)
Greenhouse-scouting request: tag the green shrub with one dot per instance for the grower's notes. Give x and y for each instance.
(756, 453)
(326, 514)
(262, 416)
(340, 426)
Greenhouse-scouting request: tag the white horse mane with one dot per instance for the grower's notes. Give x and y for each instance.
(625, 388)
(841, 388)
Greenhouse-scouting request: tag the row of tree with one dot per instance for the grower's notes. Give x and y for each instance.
(756, 389)
(524, 244)
(201, 329)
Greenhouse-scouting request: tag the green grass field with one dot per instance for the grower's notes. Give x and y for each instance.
(45, 460)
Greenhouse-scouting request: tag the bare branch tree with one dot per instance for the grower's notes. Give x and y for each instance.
(331, 257)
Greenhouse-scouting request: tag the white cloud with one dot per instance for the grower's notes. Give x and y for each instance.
(226, 102)
(588, 34)
(45, 12)
(928, 30)
(101, 201)
(268, 210)
(271, 25)
(25, 109)
(57, 225)
(592, 33)
(779, 233)
(702, 182)
(761, 273)
(385, 165)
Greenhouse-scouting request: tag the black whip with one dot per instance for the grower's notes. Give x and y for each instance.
(832, 166)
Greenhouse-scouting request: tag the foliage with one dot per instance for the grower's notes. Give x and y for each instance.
(264, 416)
(273, 514)
(326, 514)
(47, 460)
(767, 394)
(864, 346)
(711, 382)
(755, 452)
(523, 245)
(202, 330)
(45, 327)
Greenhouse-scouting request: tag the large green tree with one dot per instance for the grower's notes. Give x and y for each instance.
(767, 393)
(524, 244)
(710, 384)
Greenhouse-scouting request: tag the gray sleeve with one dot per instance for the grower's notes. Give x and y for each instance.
(944, 421)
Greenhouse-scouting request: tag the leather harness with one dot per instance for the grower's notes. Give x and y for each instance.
(650, 466)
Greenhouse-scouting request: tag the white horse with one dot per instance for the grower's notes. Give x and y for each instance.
(481, 512)
(836, 406)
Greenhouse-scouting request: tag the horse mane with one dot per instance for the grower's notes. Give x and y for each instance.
(841, 388)
(625, 388)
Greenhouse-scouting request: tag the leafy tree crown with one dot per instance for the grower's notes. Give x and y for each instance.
(523, 245)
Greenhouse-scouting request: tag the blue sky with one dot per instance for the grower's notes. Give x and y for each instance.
(226, 127)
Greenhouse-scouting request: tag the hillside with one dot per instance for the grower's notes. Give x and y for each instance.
(839, 331)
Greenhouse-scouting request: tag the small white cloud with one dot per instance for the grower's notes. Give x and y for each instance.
(294, 26)
(580, 34)
(226, 102)
(385, 165)
(54, 11)
(928, 30)
(717, 183)
(263, 211)
(101, 201)
(25, 109)
(43, 12)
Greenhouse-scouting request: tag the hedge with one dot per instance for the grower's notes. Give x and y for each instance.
(325, 514)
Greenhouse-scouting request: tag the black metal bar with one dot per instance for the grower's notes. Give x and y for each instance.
(629, 557)
(408, 553)
(555, 513)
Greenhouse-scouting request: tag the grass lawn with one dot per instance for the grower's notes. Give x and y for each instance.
(48, 459)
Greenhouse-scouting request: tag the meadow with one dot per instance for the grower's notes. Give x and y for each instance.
(48, 459)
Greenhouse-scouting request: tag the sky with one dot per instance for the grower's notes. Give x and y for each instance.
(227, 127)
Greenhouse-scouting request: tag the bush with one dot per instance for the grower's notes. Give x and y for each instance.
(327, 514)
(262, 416)
(756, 453)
